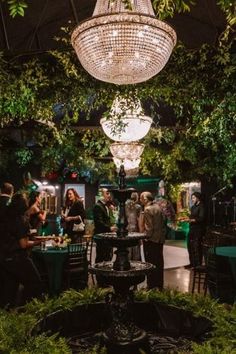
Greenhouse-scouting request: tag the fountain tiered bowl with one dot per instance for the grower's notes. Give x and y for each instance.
(122, 272)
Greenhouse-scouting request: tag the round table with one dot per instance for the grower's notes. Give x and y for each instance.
(229, 252)
(178, 233)
(54, 259)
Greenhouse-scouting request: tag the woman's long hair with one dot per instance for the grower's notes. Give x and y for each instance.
(67, 201)
(32, 197)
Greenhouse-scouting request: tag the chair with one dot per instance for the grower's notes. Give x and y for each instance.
(199, 279)
(219, 278)
(211, 237)
(76, 267)
(200, 272)
(90, 243)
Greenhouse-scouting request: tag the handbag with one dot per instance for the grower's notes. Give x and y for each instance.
(79, 227)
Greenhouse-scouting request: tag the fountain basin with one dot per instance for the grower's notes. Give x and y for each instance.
(130, 240)
(136, 268)
(133, 276)
(164, 324)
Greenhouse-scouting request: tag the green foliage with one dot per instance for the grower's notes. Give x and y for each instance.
(83, 150)
(23, 156)
(222, 338)
(199, 85)
(174, 192)
(167, 8)
(15, 327)
(95, 143)
(15, 337)
(67, 300)
(128, 4)
(17, 7)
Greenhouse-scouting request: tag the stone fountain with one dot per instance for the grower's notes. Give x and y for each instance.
(122, 325)
(122, 336)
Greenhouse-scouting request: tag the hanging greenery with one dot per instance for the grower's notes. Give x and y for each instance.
(53, 92)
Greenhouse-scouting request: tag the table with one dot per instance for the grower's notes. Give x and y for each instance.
(229, 252)
(179, 233)
(54, 259)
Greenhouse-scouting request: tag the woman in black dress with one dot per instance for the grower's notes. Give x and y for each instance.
(73, 213)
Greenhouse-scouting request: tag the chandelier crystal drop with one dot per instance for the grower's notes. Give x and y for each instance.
(126, 121)
(123, 46)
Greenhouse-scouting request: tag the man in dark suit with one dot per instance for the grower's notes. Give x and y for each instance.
(102, 224)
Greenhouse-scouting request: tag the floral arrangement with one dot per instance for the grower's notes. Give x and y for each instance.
(61, 241)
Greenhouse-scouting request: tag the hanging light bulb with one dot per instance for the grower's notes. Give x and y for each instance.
(123, 46)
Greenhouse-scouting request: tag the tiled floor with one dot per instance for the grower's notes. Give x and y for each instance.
(178, 278)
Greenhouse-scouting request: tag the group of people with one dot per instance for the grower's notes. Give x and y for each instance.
(21, 217)
(145, 216)
(150, 216)
(20, 214)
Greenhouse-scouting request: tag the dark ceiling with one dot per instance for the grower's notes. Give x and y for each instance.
(44, 18)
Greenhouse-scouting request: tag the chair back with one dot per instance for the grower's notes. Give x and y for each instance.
(219, 237)
(77, 256)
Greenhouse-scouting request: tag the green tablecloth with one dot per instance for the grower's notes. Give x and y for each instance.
(54, 260)
(179, 233)
(230, 252)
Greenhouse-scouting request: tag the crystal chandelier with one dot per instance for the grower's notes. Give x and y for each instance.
(123, 151)
(127, 163)
(123, 46)
(126, 121)
(127, 154)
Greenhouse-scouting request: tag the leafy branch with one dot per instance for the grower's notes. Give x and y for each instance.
(17, 7)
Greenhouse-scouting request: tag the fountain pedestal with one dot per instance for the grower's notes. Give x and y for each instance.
(123, 336)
